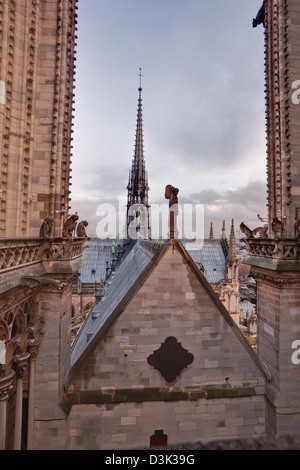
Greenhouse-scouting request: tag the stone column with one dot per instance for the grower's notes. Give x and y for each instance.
(5, 387)
(32, 366)
(20, 368)
(52, 369)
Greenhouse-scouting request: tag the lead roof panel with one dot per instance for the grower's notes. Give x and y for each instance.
(210, 255)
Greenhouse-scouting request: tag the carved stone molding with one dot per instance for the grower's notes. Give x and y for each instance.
(275, 278)
(20, 365)
(21, 329)
(6, 384)
(14, 297)
(33, 348)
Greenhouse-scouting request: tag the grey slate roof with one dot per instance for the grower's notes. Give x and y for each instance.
(118, 289)
(96, 257)
(211, 255)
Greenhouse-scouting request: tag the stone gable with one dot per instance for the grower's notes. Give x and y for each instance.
(117, 380)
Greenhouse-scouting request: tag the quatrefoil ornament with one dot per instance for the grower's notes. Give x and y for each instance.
(170, 359)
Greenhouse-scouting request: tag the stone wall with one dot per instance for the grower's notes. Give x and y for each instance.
(278, 334)
(130, 425)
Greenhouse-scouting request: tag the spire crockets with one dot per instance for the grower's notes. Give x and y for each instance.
(232, 251)
(138, 179)
(211, 232)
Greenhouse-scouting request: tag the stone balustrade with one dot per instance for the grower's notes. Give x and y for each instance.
(17, 253)
(279, 249)
(282, 252)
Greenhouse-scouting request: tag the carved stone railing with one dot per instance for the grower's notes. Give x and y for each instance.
(282, 253)
(279, 249)
(62, 249)
(17, 253)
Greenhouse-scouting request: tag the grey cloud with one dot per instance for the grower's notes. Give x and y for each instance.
(250, 196)
(253, 193)
(206, 196)
(107, 182)
(242, 204)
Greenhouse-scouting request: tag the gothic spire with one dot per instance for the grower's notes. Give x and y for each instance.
(232, 251)
(224, 231)
(211, 233)
(138, 179)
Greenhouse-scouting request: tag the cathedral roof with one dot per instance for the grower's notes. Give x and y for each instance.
(101, 257)
(96, 256)
(132, 273)
(209, 253)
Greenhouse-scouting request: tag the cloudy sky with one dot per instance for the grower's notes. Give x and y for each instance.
(203, 105)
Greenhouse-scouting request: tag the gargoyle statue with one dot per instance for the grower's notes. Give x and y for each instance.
(246, 230)
(249, 234)
(261, 231)
(46, 228)
(70, 226)
(277, 227)
(81, 232)
(260, 17)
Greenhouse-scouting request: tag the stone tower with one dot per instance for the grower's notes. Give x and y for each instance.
(37, 266)
(37, 40)
(276, 260)
(137, 202)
